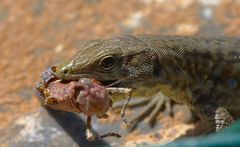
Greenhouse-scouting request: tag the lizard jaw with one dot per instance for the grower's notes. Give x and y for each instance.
(79, 76)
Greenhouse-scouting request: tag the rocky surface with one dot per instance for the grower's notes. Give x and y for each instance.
(37, 34)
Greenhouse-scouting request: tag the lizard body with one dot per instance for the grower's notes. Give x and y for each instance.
(201, 72)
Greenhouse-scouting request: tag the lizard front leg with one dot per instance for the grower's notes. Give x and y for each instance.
(128, 93)
(209, 112)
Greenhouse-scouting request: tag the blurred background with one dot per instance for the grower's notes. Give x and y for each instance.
(36, 34)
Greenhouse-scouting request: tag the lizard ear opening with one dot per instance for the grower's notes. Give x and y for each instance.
(157, 69)
(108, 62)
(156, 66)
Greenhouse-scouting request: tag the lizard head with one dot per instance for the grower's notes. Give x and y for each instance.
(98, 59)
(108, 60)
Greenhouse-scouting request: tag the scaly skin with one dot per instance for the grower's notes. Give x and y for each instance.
(201, 72)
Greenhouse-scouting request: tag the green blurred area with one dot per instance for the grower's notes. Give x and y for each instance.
(36, 34)
(227, 138)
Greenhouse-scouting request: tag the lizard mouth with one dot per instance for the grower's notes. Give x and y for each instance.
(109, 83)
(69, 76)
(76, 77)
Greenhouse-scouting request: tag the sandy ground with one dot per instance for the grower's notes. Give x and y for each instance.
(35, 34)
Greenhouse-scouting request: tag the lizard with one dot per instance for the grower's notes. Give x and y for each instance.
(201, 72)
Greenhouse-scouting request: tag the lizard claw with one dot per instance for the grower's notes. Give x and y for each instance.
(91, 135)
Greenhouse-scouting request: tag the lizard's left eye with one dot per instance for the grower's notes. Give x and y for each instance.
(108, 62)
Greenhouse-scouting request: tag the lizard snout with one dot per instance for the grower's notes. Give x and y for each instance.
(62, 71)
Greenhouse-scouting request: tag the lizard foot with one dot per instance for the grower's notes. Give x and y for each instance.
(92, 135)
(222, 118)
(152, 108)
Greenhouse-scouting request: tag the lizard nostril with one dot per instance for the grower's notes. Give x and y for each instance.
(64, 70)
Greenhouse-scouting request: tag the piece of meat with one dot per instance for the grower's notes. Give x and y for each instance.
(86, 95)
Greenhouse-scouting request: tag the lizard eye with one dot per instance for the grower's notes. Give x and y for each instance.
(108, 62)
(64, 70)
